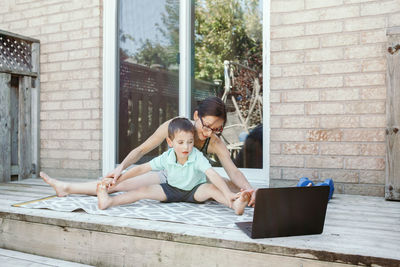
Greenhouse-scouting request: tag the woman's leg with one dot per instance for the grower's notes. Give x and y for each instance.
(154, 192)
(64, 188)
(207, 191)
(89, 188)
(133, 183)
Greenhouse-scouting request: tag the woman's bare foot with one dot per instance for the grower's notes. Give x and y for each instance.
(103, 199)
(241, 202)
(61, 188)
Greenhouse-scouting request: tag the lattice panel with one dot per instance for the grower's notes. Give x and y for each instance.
(15, 54)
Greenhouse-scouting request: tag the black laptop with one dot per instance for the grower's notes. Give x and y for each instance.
(288, 211)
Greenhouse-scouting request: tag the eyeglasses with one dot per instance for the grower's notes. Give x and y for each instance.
(208, 129)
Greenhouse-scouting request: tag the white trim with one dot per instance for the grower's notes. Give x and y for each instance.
(185, 58)
(109, 84)
(266, 88)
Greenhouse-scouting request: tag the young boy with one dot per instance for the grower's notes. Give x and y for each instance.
(186, 169)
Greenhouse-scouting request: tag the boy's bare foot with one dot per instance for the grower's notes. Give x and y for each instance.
(241, 202)
(103, 199)
(61, 188)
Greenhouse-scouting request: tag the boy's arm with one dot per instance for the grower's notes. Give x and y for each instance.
(133, 172)
(219, 182)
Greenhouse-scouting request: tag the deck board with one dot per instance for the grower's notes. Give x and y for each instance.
(357, 228)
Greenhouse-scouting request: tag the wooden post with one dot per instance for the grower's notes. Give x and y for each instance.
(392, 187)
(5, 128)
(24, 136)
(14, 111)
(35, 110)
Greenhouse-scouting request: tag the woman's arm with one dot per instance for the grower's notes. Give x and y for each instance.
(237, 177)
(152, 142)
(217, 180)
(219, 148)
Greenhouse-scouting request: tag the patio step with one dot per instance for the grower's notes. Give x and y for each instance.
(15, 258)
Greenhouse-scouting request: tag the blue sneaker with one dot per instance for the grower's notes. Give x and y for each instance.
(304, 181)
(328, 182)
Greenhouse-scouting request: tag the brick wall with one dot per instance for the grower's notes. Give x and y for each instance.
(327, 87)
(328, 91)
(70, 33)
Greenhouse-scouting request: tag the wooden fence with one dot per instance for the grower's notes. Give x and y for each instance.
(147, 98)
(19, 106)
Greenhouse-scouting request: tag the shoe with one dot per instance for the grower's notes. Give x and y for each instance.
(304, 181)
(328, 182)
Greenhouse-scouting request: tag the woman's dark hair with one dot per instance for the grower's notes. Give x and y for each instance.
(179, 124)
(212, 106)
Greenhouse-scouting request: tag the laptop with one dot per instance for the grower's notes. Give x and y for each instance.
(287, 211)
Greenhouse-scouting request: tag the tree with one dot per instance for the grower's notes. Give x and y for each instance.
(221, 34)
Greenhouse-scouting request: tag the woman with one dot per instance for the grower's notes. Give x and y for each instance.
(209, 119)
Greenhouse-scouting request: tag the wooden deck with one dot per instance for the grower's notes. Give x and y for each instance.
(358, 230)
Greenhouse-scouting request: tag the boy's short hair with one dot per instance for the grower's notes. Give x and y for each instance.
(179, 124)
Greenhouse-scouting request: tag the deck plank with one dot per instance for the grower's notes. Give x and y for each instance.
(356, 226)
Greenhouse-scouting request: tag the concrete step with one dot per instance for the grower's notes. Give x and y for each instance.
(11, 258)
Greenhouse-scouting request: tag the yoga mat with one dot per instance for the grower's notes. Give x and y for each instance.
(209, 214)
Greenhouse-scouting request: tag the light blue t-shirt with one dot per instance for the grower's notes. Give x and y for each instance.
(184, 176)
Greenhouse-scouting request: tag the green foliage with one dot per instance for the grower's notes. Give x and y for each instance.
(222, 33)
(170, 19)
(223, 30)
(155, 53)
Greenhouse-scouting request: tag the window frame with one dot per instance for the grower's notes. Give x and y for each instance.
(257, 177)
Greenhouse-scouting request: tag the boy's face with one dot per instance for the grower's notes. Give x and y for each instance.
(182, 143)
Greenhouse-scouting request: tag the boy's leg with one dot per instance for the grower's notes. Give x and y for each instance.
(154, 192)
(207, 191)
(89, 188)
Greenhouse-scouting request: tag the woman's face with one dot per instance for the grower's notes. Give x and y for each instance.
(207, 125)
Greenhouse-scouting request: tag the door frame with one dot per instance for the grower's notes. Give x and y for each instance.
(110, 59)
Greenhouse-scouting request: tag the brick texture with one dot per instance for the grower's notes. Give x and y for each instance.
(328, 87)
(328, 73)
(70, 66)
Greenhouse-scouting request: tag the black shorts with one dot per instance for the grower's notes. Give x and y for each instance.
(178, 195)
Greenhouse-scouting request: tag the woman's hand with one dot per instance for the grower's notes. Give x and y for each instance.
(115, 174)
(231, 197)
(252, 201)
(107, 182)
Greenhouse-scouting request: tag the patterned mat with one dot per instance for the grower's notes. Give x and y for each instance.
(208, 214)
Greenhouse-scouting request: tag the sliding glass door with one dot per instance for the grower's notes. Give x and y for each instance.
(148, 61)
(171, 54)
